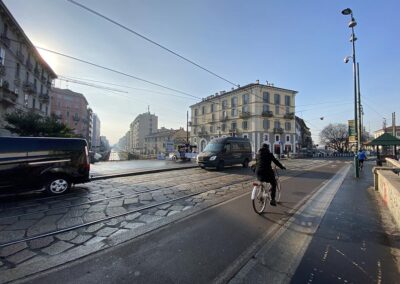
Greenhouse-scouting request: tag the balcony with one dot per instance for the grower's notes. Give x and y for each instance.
(44, 97)
(4, 39)
(245, 114)
(29, 88)
(202, 133)
(267, 113)
(36, 72)
(7, 97)
(17, 81)
(289, 115)
(234, 132)
(29, 65)
(2, 70)
(224, 118)
(20, 56)
(278, 130)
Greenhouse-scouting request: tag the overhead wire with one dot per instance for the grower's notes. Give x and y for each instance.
(149, 40)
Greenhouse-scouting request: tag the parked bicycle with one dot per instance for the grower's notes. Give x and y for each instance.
(261, 194)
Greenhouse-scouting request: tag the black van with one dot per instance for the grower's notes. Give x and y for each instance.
(34, 163)
(227, 151)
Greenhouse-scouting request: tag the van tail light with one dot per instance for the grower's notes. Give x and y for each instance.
(86, 166)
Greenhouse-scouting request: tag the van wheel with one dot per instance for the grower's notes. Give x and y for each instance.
(245, 163)
(220, 166)
(57, 185)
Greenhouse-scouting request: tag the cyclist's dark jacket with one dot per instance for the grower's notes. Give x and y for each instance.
(264, 170)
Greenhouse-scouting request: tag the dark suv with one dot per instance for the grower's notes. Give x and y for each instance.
(35, 163)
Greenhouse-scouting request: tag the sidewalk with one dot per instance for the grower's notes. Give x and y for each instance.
(342, 242)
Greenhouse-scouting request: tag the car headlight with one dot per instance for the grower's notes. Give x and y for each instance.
(212, 158)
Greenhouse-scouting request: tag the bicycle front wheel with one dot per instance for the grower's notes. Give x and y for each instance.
(259, 199)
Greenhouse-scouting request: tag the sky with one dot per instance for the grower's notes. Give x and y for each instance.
(298, 45)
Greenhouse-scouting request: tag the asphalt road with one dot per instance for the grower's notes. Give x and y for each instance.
(198, 249)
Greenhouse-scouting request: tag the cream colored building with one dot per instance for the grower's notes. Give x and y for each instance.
(164, 141)
(261, 113)
(143, 125)
(25, 78)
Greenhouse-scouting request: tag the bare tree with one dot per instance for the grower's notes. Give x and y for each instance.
(335, 136)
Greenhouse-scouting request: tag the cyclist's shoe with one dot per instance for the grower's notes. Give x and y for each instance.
(273, 202)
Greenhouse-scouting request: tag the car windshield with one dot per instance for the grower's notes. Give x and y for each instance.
(213, 147)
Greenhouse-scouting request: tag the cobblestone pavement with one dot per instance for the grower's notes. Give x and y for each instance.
(39, 232)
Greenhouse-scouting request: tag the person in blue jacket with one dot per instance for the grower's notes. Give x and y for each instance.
(361, 157)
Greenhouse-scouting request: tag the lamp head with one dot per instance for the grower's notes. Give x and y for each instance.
(352, 23)
(347, 11)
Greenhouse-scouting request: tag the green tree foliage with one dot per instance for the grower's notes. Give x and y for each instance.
(33, 124)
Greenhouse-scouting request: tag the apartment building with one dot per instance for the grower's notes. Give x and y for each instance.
(261, 113)
(95, 133)
(25, 78)
(143, 125)
(164, 141)
(71, 108)
(303, 135)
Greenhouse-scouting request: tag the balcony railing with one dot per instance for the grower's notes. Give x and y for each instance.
(245, 114)
(278, 130)
(44, 97)
(7, 97)
(29, 88)
(29, 65)
(267, 113)
(5, 40)
(289, 115)
(17, 82)
(20, 56)
(202, 133)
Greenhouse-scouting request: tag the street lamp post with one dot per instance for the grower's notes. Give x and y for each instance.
(353, 38)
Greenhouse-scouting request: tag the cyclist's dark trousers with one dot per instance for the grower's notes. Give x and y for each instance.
(361, 163)
(273, 189)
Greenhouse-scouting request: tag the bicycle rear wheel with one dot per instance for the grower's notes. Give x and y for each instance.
(259, 199)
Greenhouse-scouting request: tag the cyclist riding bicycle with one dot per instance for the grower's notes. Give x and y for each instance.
(361, 157)
(264, 170)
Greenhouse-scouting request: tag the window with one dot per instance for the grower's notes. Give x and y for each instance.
(195, 121)
(266, 123)
(195, 131)
(40, 106)
(287, 100)
(245, 99)
(195, 140)
(2, 56)
(196, 112)
(245, 136)
(277, 99)
(277, 138)
(33, 103)
(287, 138)
(234, 112)
(245, 109)
(213, 117)
(203, 110)
(17, 70)
(223, 127)
(287, 110)
(211, 129)
(212, 107)
(224, 114)
(224, 104)
(266, 97)
(277, 109)
(244, 124)
(233, 125)
(266, 137)
(288, 126)
(234, 101)
(265, 108)
(26, 98)
(277, 124)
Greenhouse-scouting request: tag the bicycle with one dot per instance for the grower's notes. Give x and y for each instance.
(261, 193)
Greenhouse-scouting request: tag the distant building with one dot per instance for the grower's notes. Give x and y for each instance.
(96, 133)
(90, 127)
(25, 78)
(104, 144)
(164, 141)
(303, 135)
(71, 108)
(387, 130)
(261, 113)
(143, 125)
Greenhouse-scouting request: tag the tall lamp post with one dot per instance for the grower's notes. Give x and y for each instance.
(353, 38)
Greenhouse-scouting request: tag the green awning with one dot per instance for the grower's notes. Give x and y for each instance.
(385, 139)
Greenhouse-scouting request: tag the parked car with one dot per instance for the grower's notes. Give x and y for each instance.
(35, 163)
(221, 152)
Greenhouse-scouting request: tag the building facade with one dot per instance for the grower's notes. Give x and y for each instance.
(25, 78)
(387, 130)
(143, 125)
(261, 113)
(164, 141)
(303, 135)
(95, 133)
(71, 108)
